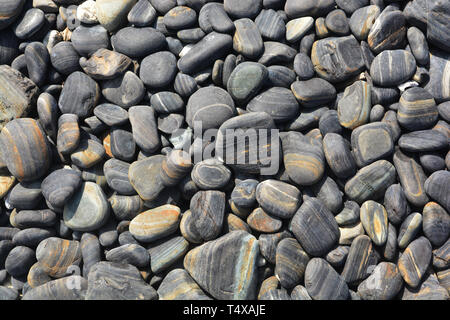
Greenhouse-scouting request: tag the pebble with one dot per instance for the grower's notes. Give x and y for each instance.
(347, 58)
(6, 183)
(375, 221)
(336, 22)
(29, 24)
(10, 10)
(313, 92)
(239, 9)
(276, 53)
(383, 284)
(349, 214)
(125, 90)
(125, 207)
(303, 67)
(88, 209)
(297, 28)
(113, 13)
(68, 137)
(246, 80)
(371, 142)
(19, 261)
(371, 181)
(138, 42)
(392, 67)
(417, 109)
(271, 25)
(33, 219)
(355, 106)
(278, 102)
(208, 209)
(164, 253)
(212, 17)
(323, 283)
(423, 141)
(410, 227)
(262, 222)
(175, 167)
(88, 153)
(133, 254)
(295, 9)
(437, 187)
(88, 39)
(123, 146)
(210, 174)
(395, 204)
(221, 254)
(143, 14)
(414, 261)
(338, 155)
(158, 69)
(59, 290)
(25, 195)
(111, 114)
(144, 128)
(429, 289)
(180, 17)
(436, 224)
(315, 228)
(438, 73)
(362, 20)
(178, 285)
(116, 174)
(290, 263)
(87, 12)
(145, 170)
(37, 59)
(155, 223)
(117, 281)
(90, 251)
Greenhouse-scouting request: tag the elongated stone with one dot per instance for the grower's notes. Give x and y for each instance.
(362, 20)
(291, 262)
(56, 255)
(212, 17)
(392, 67)
(178, 285)
(212, 47)
(144, 177)
(237, 250)
(323, 283)
(271, 25)
(25, 149)
(297, 28)
(37, 58)
(34, 219)
(238, 9)
(410, 227)
(436, 223)
(133, 254)
(48, 112)
(437, 187)
(395, 204)
(208, 208)
(68, 288)
(276, 52)
(371, 181)
(354, 107)
(314, 227)
(338, 155)
(144, 128)
(122, 144)
(303, 158)
(88, 209)
(166, 252)
(295, 9)
(313, 92)
(29, 23)
(412, 178)
(375, 221)
(68, 136)
(439, 71)
(31, 237)
(25, 195)
(117, 281)
(19, 261)
(388, 32)
(247, 40)
(156, 223)
(90, 251)
(414, 261)
(138, 42)
(279, 103)
(423, 141)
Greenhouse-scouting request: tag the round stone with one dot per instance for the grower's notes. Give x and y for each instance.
(179, 18)
(213, 17)
(278, 102)
(19, 261)
(354, 107)
(158, 69)
(336, 22)
(392, 67)
(313, 92)
(246, 80)
(395, 204)
(417, 109)
(125, 90)
(278, 198)
(210, 174)
(65, 58)
(260, 221)
(60, 185)
(276, 53)
(167, 102)
(116, 174)
(240, 9)
(142, 14)
(88, 209)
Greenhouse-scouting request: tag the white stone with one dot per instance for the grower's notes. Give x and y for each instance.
(87, 12)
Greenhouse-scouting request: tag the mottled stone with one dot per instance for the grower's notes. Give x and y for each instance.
(56, 255)
(68, 137)
(133, 254)
(260, 221)
(208, 208)
(375, 221)
(383, 284)
(68, 288)
(246, 80)
(362, 20)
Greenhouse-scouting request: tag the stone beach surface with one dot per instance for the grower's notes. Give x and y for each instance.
(119, 180)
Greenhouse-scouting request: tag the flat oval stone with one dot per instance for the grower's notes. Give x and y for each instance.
(417, 109)
(59, 289)
(117, 281)
(105, 64)
(209, 101)
(25, 149)
(409, 229)
(142, 172)
(144, 128)
(88, 153)
(247, 40)
(395, 204)
(212, 47)
(158, 69)
(88, 209)
(29, 24)
(37, 59)
(412, 178)
(349, 214)
(111, 114)
(414, 261)
(88, 39)
(276, 53)
(314, 227)
(388, 32)
(244, 193)
(125, 207)
(10, 10)
(238, 9)
(68, 137)
(278, 198)
(423, 141)
(34, 219)
(371, 181)
(116, 174)
(354, 107)
(123, 146)
(303, 158)
(224, 251)
(17, 94)
(210, 174)
(437, 187)
(166, 252)
(156, 223)
(313, 92)
(303, 66)
(383, 284)
(31, 237)
(418, 45)
(392, 67)
(180, 17)
(184, 85)
(19, 261)
(113, 13)
(271, 25)
(170, 123)
(125, 90)
(362, 20)
(297, 28)
(188, 229)
(278, 102)
(347, 58)
(436, 223)
(175, 167)
(371, 142)
(295, 9)
(90, 251)
(336, 22)
(262, 222)
(178, 285)
(163, 6)
(361, 260)
(133, 254)
(208, 209)
(138, 42)
(56, 255)
(291, 262)
(328, 192)
(79, 95)
(323, 283)
(246, 80)
(375, 221)
(338, 155)
(64, 58)
(59, 186)
(281, 76)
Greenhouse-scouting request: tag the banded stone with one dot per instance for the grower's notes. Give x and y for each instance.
(414, 261)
